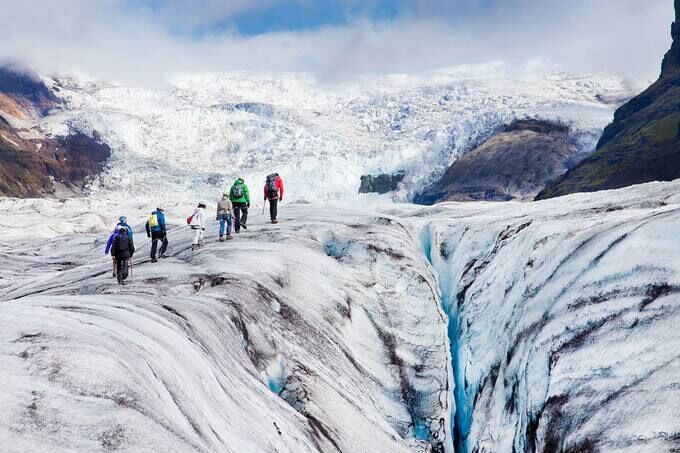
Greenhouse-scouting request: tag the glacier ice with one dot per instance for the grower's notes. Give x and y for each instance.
(562, 316)
(198, 133)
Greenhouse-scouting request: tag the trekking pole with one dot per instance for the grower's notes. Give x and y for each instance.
(131, 268)
(263, 206)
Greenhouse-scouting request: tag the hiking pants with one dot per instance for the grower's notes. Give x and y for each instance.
(122, 268)
(273, 208)
(155, 237)
(225, 220)
(241, 214)
(198, 236)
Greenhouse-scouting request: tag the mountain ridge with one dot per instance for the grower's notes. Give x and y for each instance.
(642, 143)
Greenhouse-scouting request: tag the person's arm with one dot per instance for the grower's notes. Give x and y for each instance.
(132, 247)
(246, 194)
(265, 192)
(109, 243)
(280, 184)
(148, 231)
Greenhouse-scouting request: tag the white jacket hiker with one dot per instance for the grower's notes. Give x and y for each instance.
(197, 224)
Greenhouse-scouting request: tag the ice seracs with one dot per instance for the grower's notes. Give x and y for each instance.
(201, 132)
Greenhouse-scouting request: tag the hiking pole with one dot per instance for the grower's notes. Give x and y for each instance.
(263, 205)
(131, 268)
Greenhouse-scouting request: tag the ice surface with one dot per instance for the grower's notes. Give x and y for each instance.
(328, 331)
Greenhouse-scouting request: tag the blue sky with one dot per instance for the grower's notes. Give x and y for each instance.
(296, 16)
(152, 39)
(197, 18)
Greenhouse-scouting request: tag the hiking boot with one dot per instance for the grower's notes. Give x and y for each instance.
(194, 247)
(222, 239)
(275, 221)
(114, 275)
(165, 256)
(123, 283)
(154, 260)
(243, 225)
(229, 237)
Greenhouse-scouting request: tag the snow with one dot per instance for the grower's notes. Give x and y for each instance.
(199, 133)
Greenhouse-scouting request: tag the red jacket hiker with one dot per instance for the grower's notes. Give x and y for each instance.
(279, 190)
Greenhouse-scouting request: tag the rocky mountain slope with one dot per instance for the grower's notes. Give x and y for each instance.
(33, 163)
(515, 163)
(643, 142)
(541, 327)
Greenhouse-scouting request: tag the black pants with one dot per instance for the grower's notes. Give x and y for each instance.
(273, 208)
(155, 237)
(240, 215)
(122, 268)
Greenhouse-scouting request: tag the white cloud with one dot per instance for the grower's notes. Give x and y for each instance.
(112, 41)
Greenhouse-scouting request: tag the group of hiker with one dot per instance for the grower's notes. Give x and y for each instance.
(233, 205)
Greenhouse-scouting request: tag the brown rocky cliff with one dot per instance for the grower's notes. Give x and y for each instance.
(45, 166)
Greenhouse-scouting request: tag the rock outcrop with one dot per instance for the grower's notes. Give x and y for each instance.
(33, 164)
(643, 142)
(515, 163)
(382, 183)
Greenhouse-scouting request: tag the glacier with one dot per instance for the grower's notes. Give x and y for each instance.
(359, 323)
(547, 326)
(197, 133)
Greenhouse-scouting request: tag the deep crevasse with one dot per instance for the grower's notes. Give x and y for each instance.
(561, 318)
(461, 410)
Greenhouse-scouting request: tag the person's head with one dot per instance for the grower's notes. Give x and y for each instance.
(122, 219)
(159, 209)
(225, 195)
(201, 205)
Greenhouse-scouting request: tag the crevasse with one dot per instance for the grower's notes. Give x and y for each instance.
(461, 417)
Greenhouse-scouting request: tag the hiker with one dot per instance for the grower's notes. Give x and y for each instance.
(122, 222)
(240, 197)
(273, 191)
(155, 229)
(122, 249)
(197, 224)
(225, 208)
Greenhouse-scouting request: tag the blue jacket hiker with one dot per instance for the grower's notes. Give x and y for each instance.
(155, 229)
(122, 222)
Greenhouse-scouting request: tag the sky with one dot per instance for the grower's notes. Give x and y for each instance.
(150, 40)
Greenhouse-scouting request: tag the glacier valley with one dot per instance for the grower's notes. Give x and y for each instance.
(359, 323)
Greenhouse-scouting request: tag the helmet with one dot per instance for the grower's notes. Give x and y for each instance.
(122, 219)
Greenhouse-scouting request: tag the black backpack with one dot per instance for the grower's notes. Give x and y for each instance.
(272, 190)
